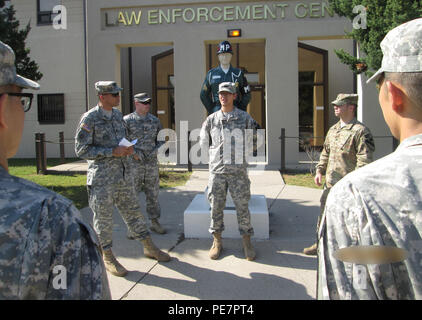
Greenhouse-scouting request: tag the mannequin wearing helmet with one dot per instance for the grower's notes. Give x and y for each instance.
(225, 72)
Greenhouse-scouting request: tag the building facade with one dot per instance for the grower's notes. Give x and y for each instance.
(165, 48)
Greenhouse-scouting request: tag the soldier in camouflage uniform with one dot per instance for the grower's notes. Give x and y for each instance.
(227, 171)
(46, 250)
(379, 206)
(109, 176)
(349, 145)
(144, 127)
(224, 73)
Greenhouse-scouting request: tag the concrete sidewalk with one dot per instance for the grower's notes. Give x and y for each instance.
(280, 271)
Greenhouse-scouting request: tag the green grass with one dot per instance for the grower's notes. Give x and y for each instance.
(74, 186)
(300, 178)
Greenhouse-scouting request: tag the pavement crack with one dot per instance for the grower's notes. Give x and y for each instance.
(140, 279)
(180, 239)
(272, 203)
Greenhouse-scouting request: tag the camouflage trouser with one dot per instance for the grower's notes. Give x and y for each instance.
(239, 187)
(102, 200)
(322, 200)
(147, 179)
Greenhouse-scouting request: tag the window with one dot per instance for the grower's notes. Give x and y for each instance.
(45, 15)
(51, 108)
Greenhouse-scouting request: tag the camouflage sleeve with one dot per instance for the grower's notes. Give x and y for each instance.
(85, 147)
(321, 166)
(61, 259)
(365, 148)
(158, 144)
(76, 256)
(352, 219)
(252, 139)
(130, 133)
(204, 136)
(338, 230)
(245, 92)
(206, 95)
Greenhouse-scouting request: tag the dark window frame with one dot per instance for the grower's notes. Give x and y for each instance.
(51, 116)
(43, 14)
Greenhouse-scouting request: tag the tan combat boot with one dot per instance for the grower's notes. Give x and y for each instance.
(151, 251)
(311, 251)
(217, 246)
(112, 264)
(156, 227)
(247, 248)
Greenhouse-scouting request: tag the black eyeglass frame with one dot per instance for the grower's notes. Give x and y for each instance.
(143, 102)
(26, 107)
(380, 81)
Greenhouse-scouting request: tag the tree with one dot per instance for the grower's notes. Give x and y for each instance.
(380, 17)
(15, 38)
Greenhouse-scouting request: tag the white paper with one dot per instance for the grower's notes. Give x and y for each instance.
(125, 143)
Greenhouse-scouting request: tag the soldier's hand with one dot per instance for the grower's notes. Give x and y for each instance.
(129, 150)
(119, 151)
(318, 178)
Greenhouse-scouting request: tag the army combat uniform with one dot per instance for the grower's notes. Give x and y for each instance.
(227, 172)
(380, 204)
(209, 92)
(377, 205)
(46, 250)
(43, 236)
(145, 170)
(109, 178)
(345, 149)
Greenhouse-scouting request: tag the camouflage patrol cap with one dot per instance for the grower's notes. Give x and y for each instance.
(346, 98)
(142, 97)
(402, 49)
(227, 86)
(103, 87)
(8, 74)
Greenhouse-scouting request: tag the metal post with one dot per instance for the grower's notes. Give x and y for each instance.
(37, 152)
(189, 146)
(283, 150)
(43, 154)
(61, 139)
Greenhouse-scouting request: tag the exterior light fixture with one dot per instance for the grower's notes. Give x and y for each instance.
(234, 33)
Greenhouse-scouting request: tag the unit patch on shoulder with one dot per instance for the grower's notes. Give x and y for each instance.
(86, 128)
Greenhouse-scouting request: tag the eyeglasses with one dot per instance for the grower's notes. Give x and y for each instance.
(111, 94)
(26, 99)
(380, 81)
(143, 102)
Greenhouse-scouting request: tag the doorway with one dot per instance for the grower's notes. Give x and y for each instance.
(162, 66)
(149, 68)
(313, 96)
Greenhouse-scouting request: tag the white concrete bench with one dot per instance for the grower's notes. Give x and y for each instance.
(197, 218)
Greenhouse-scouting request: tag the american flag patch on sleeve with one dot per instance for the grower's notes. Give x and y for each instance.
(86, 128)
